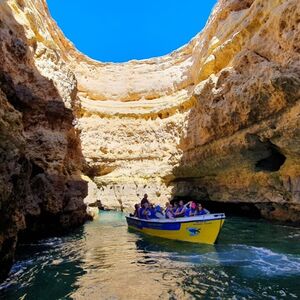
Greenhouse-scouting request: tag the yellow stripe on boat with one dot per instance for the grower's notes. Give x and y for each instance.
(200, 229)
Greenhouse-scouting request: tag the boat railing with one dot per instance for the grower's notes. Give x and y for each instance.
(206, 217)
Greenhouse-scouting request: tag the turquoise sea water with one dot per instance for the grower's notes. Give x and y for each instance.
(253, 259)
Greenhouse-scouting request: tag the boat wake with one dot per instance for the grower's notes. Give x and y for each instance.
(252, 261)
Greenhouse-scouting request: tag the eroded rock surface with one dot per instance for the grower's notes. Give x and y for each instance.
(217, 119)
(41, 189)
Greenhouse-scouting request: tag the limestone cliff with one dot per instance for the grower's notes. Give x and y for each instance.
(216, 119)
(40, 181)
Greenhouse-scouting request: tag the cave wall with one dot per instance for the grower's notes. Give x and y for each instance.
(220, 114)
(218, 107)
(222, 110)
(217, 119)
(40, 181)
(241, 139)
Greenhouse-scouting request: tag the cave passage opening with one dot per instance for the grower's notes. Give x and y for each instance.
(273, 161)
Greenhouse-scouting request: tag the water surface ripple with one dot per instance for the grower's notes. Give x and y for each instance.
(253, 259)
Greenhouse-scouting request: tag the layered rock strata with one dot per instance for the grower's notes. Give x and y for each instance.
(217, 119)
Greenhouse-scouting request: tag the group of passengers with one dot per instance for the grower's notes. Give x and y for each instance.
(146, 210)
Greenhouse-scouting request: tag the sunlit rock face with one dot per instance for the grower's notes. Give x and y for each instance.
(217, 119)
(241, 139)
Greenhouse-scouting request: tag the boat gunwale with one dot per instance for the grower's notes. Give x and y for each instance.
(203, 218)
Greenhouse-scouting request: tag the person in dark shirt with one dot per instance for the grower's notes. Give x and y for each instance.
(136, 210)
(144, 200)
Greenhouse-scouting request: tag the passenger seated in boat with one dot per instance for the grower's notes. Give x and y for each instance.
(191, 210)
(152, 212)
(169, 211)
(136, 211)
(145, 212)
(141, 211)
(201, 210)
(174, 207)
(158, 212)
(180, 212)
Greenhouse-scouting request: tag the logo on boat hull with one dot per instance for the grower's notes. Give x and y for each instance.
(193, 231)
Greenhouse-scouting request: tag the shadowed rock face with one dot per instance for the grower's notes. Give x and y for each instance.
(41, 191)
(217, 119)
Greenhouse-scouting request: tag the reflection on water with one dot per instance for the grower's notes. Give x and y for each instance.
(252, 260)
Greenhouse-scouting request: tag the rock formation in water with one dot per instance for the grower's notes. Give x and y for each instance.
(217, 119)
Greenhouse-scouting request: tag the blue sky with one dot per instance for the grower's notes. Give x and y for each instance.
(120, 30)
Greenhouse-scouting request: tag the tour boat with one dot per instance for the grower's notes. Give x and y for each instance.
(202, 229)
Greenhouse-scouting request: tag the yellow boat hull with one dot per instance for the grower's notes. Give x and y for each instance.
(201, 229)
